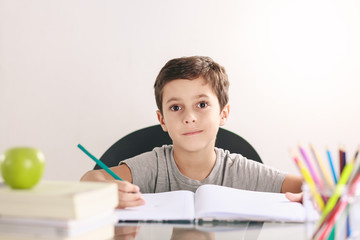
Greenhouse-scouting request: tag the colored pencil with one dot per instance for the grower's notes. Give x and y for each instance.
(356, 162)
(338, 208)
(341, 160)
(331, 165)
(309, 180)
(324, 172)
(335, 214)
(326, 219)
(313, 173)
(338, 189)
(100, 163)
(330, 224)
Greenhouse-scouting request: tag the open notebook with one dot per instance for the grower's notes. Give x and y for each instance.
(211, 202)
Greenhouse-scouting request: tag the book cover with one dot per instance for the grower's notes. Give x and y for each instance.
(51, 228)
(59, 200)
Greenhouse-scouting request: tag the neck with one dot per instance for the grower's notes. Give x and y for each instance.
(195, 165)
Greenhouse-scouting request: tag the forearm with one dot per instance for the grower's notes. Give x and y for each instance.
(292, 184)
(94, 176)
(101, 175)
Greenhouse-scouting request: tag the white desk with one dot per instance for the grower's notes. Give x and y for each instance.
(246, 231)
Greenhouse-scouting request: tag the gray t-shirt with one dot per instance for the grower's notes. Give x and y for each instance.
(156, 171)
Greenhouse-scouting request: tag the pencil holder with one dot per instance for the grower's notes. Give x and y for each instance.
(332, 213)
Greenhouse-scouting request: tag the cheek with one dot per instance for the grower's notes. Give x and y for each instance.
(169, 120)
(212, 117)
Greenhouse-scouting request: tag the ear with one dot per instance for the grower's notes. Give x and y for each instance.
(224, 114)
(161, 120)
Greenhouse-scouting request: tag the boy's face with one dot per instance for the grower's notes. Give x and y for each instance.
(191, 114)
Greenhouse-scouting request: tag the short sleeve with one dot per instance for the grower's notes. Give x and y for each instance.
(143, 169)
(264, 178)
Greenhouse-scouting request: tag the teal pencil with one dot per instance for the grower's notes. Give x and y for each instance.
(332, 165)
(100, 163)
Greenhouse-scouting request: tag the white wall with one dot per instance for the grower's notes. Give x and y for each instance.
(82, 71)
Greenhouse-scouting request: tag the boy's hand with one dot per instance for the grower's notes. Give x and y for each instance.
(294, 197)
(129, 195)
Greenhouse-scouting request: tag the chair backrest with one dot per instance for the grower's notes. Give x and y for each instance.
(148, 138)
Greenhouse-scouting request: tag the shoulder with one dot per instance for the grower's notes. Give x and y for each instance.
(239, 163)
(151, 156)
(234, 158)
(147, 169)
(248, 174)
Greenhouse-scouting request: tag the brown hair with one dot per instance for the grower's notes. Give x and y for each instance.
(191, 68)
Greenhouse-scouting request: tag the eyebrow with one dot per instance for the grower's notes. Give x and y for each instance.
(174, 99)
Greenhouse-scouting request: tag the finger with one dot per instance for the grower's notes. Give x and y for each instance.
(294, 197)
(125, 186)
(129, 197)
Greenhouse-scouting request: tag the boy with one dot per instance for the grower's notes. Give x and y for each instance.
(192, 99)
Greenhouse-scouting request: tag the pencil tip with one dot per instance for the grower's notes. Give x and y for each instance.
(292, 153)
(312, 146)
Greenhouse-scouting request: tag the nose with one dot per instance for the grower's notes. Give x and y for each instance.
(189, 117)
(189, 121)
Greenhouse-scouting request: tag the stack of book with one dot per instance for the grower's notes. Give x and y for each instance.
(58, 210)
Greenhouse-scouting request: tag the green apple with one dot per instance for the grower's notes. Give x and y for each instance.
(22, 167)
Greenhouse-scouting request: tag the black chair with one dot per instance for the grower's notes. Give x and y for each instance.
(146, 139)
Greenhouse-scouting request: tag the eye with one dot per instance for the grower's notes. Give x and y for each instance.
(175, 108)
(202, 105)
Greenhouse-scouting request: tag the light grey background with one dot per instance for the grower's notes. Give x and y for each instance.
(82, 71)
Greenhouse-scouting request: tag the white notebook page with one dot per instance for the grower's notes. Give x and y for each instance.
(229, 203)
(176, 205)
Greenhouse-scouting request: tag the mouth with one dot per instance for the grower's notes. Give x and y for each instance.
(192, 133)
